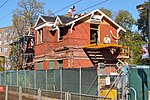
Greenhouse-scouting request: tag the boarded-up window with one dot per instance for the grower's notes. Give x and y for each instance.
(40, 65)
(60, 64)
(51, 64)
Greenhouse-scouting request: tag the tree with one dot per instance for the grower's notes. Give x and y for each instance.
(27, 15)
(107, 12)
(24, 19)
(125, 19)
(142, 22)
(1, 64)
(134, 41)
(50, 13)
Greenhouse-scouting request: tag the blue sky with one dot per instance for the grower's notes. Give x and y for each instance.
(55, 5)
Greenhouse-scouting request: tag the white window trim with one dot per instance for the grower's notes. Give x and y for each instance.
(39, 36)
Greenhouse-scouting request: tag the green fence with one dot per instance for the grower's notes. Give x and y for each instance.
(83, 80)
(139, 82)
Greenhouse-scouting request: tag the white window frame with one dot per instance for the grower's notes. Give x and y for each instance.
(0, 49)
(40, 36)
(5, 50)
(0, 42)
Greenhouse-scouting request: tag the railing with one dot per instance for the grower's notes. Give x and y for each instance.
(124, 52)
(20, 93)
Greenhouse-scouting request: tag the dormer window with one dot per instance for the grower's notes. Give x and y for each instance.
(61, 33)
(40, 36)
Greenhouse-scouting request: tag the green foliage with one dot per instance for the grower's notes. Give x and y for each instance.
(134, 41)
(1, 64)
(142, 21)
(15, 56)
(24, 18)
(142, 24)
(107, 12)
(124, 19)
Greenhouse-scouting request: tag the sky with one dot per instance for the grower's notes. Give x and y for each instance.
(56, 5)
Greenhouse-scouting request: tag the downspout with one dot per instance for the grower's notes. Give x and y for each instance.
(118, 30)
(72, 59)
(72, 26)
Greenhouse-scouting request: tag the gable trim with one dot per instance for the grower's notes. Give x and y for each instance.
(38, 20)
(45, 24)
(57, 19)
(102, 14)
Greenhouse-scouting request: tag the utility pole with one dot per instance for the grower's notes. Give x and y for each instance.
(147, 8)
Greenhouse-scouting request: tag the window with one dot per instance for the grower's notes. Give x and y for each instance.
(6, 34)
(62, 32)
(5, 42)
(0, 49)
(0, 35)
(60, 64)
(51, 64)
(5, 50)
(96, 18)
(94, 33)
(40, 36)
(0, 42)
(11, 41)
(40, 64)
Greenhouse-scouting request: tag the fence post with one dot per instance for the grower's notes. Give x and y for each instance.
(5, 77)
(20, 93)
(10, 79)
(17, 78)
(39, 94)
(99, 79)
(80, 90)
(34, 79)
(67, 95)
(6, 93)
(25, 79)
(0, 80)
(46, 80)
(61, 82)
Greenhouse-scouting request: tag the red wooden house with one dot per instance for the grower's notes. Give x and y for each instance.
(80, 41)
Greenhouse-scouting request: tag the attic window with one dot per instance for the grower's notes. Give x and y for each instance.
(96, 18)
(94, 33)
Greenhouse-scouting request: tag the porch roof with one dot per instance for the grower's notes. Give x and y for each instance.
(102, 45)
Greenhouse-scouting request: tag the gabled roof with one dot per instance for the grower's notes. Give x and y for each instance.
(49, 19)
(63, 19)
(67, 20)
(92, 13)
(45, 19)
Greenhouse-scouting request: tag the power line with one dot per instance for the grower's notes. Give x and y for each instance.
(67, 6)
(4, 3)
(93, 6)
(5, 15)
